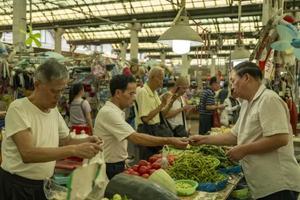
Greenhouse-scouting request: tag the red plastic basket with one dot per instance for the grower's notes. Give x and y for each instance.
(80, 128)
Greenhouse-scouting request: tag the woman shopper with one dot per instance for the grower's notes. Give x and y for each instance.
(79, 109)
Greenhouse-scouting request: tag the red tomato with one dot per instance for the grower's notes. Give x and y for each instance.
(126, 172)
(130, 170)
(157, 155)
(135, 173)
(143, 170)
(151, 171)
(155, 166)
(145, 175)
(135, 168)
(171, 161)
(143, 163)
(153, 159)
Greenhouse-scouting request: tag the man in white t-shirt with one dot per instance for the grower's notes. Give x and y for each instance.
(110, 125)
(264, 138)
(180, 109)
(33, 130)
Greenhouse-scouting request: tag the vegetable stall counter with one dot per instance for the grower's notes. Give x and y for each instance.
(221, 195)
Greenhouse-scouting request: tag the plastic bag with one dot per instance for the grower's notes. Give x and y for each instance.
(163, 161)
(54, 191)
(101, 181)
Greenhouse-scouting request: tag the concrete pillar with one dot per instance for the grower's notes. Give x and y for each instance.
(123, 47)
(163, 57)
(57, 39)
(213, 67)
(134, 40)
(19, 22)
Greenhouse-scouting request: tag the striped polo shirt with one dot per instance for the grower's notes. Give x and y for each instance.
(207, 98)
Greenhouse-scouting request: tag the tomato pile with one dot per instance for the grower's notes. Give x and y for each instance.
(145, 169)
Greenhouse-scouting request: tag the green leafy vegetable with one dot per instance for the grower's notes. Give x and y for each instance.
(195, 167)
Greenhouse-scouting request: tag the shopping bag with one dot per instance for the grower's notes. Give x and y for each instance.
(101, 181)
(88, 181)
(216, 119)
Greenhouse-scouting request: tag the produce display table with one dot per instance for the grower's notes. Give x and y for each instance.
(221, 195)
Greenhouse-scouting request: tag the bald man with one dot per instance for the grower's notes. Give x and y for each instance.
(180, 109)
(149, 106)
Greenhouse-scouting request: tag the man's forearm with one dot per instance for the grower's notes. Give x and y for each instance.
(148, 140)
(212, 107)
(167, 109)
(173, 113)
(75, 141)
(222, 139)
(41, 155)
(89, 122)
(153, 113)
(266, 144)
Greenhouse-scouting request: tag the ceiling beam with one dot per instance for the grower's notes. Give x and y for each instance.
(141, 39)
(189, 55)
(197, 14)
(154, 25)
(169, 49)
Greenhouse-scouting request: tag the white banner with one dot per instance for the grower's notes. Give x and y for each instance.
(269, 65)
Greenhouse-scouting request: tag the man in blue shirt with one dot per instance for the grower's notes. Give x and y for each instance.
(223, 94)
(208, 106)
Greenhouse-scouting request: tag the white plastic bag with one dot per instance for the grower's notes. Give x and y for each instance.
(54, 191)
(101, 181)
(89, 181)
(163, 161)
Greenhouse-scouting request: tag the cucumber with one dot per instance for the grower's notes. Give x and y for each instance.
(137, 188)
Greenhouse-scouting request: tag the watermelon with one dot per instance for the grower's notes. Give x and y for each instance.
(135, 187)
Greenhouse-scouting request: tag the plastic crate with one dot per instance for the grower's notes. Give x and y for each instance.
(61, 179)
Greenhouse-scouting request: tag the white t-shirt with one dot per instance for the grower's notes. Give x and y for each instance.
(46, 129)
(110, 125)
(177, 120)
(275, 171)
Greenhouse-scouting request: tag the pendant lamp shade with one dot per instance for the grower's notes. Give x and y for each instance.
(240, 53)
(181, 36)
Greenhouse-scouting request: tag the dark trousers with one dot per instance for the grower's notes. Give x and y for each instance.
(113, 169)
(144, 152)
(206, 123)
(282, 195)
(14, 187)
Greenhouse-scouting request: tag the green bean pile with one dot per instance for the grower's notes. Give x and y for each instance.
(195, 167)
(217, 152)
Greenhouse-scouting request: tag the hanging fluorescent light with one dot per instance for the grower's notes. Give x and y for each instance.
(214, 56)
(181, 36)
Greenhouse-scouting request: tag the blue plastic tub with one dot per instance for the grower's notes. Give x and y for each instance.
(233, 170)
(213, 187)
